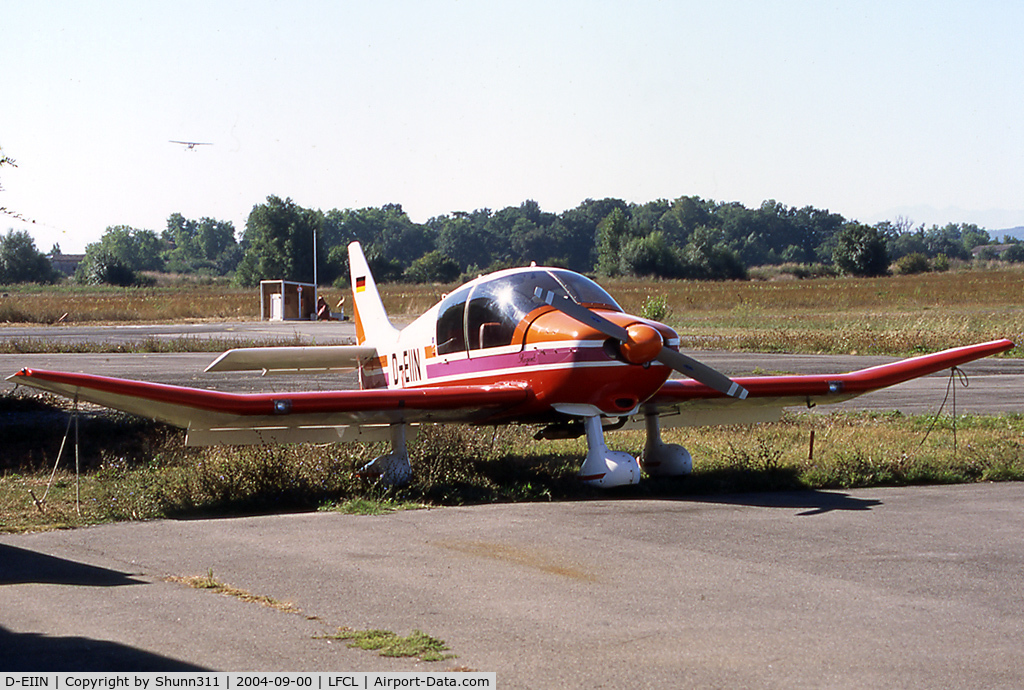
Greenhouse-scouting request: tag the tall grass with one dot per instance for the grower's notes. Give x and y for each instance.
(101, 304)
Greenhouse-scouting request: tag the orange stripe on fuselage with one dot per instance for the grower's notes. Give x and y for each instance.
(360, 333)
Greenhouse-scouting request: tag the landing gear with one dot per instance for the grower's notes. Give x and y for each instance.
(391, 468)
(662, 459)
(603, 467)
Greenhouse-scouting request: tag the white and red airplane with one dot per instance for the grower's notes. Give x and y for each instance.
(527, 345)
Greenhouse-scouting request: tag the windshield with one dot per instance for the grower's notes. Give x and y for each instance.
(486, 314)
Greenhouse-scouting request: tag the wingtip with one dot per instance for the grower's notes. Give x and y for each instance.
(24, 371)
(737, 391)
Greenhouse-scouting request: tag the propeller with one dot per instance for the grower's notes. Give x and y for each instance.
(641, 343)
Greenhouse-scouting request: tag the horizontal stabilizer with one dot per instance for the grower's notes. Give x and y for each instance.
(293, 359)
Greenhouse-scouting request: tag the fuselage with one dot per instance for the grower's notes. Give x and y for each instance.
(498, 329)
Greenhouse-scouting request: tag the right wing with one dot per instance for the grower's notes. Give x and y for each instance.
(685, 402)
(276, 360)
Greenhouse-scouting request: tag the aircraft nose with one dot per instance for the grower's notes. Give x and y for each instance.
(644, 344)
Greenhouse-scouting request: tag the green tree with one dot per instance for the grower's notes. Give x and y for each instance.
(398, 238)
(972, 236)
(140, 250)
(900, 244)
(860, 251)
(193, 245)
(612, 235)
(650, 256)
(581, 228)
(707, 257)
(948, 240)
(215, 237)
(183, 251)
(278, 242)
(433, 267)
(101, 266)
(912, 264)
(1014, 253)
(120, 255)
(386, 232)
(465, 238)
(686, 214)
(21, 262)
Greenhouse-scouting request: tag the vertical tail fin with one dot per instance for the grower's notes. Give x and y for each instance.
(372, 324)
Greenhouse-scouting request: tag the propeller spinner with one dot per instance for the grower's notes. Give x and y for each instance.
(641, 343)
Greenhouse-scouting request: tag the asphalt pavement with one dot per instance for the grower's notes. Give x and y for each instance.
(912, 587)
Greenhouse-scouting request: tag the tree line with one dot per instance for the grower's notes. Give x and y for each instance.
(689, 238)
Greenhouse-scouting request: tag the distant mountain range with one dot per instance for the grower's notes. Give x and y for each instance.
(991, 220)
(1016, 233)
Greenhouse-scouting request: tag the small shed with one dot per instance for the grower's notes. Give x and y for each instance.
(285, 300)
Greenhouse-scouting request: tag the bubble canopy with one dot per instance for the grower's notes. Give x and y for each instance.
(485, 313)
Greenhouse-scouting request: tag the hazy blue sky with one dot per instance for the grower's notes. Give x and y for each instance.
(864, 108)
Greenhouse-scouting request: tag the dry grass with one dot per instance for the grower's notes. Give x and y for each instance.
(208, 582)
(81, 304)
(894, 315)
(890, 315)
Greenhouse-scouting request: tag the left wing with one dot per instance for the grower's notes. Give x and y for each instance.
(686, 402)
(257, 418)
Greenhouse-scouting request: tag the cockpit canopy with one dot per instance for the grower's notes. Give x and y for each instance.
(485, 314)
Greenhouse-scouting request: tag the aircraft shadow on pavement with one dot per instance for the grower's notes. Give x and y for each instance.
(21, 566)
(38, 652)
(813, 502)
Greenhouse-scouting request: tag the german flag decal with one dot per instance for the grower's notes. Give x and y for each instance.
(360, 284)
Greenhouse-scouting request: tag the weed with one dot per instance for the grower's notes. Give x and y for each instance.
(656, 308)
(208, 582)
(370, 506)
(417, 644)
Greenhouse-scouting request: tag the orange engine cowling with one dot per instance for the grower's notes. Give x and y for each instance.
(611, 376)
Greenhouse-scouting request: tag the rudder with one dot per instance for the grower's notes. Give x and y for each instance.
(372, 324)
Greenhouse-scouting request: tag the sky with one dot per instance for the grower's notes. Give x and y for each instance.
(868, 109)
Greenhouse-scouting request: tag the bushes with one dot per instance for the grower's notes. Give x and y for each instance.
(913, 263)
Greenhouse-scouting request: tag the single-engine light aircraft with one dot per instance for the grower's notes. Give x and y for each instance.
(532, 345)
(191, 145)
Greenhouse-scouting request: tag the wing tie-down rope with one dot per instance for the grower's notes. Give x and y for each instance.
(40, 502)
(956, 374)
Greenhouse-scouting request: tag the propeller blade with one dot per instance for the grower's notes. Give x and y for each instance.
(684, 364)
(582, 314)
(701, 372)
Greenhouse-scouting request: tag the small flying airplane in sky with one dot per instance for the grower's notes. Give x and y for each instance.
(534, 345)
(191, 145)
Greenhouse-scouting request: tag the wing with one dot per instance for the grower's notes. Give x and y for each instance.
(686, 402)
(293, 359)
(259, 418)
